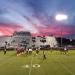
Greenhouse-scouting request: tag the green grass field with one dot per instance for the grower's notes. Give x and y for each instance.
(55, 63)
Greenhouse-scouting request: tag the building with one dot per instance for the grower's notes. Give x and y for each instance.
(26, 40)
(21, 39)
(4, 39)
(51, 40)
(45, 41)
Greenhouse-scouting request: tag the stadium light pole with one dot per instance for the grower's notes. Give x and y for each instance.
(61, 18)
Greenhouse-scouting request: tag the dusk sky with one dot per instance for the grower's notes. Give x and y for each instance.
(37, 16)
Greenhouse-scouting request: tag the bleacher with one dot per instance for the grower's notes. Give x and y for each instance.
(51, 41)
(21, 39)
(48, 41)
(28, 41)
(4, 39)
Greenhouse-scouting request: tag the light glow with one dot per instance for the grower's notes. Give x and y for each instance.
(61, 17)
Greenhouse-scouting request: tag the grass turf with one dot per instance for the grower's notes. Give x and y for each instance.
(55, 63)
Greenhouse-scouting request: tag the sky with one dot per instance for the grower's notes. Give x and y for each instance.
(37, 16)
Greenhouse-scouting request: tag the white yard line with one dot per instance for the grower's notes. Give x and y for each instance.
(67, 69)
(30, 66)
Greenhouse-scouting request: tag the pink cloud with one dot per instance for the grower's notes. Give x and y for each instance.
(53, 29)
(8, 29)
(57, 29)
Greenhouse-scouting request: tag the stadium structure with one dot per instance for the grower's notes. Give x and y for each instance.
(21, 39)
(26, 40)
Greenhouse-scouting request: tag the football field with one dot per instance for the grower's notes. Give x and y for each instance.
(56, 63)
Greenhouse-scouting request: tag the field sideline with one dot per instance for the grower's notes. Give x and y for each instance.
(55, 63)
